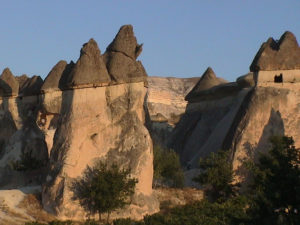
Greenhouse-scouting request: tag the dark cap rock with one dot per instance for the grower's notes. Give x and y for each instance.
(125, 42)
(120, 58)
(8, 83)
(32, 86)
(207, 81)
(278, 55)
(90, 69)
(22, 79)
(51, 82)
(124, 69)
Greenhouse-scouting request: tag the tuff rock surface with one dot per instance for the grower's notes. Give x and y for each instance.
(165, 104)
(206, 82)
(120, 58)
(240, 116)
(9, 86)
(283, 54)
(78, 115)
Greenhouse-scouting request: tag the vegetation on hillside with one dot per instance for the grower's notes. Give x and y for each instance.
(273, 196)
(167, 168)
(217, 175)
(275, 190)
(104, 188)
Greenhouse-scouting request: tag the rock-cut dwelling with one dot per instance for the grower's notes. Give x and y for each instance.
(277, 61)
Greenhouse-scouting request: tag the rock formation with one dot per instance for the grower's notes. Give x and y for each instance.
(212, 106)
(165, 104)
(31, 86)
(9, 86)
(242, 120)
(81, 113)
(90, 69)
(283, 54)
(120, 58)
(207, 81)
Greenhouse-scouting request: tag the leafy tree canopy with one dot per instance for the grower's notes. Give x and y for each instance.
(103, 188)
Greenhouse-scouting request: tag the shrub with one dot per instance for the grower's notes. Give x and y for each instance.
(103, 188)
(27, 162)
(167, 167)
(276, 184)
(217, 175)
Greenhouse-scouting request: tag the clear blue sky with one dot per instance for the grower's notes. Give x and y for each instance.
(181, 38)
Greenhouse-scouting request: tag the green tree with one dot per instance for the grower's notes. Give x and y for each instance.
(276, 184)
(216, 175)
(103, 188)
(167, 167)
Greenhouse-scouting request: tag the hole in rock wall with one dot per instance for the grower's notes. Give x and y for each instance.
(278, 78)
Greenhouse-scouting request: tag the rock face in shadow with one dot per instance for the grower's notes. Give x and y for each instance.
(78, 115)
(31, 86)
(278, 55)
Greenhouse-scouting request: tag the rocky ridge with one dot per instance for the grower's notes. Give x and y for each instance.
(243, 120)
(82, 112)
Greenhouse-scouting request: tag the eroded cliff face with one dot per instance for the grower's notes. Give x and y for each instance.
(241, 116)
(112, 130)
(270, 110)
(84, 112)
(165, 104)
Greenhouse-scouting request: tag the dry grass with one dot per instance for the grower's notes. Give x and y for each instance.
(172, 197)
(32, 204)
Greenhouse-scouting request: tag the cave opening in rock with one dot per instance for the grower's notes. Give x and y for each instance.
(278, 78)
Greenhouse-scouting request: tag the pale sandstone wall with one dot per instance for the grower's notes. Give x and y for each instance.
(270, 111)
(100, 123)
(268, 76)
(18, 129)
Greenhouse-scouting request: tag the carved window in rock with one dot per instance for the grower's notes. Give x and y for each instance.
(278, 78)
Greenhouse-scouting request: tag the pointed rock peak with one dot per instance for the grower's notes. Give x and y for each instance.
(22, 79)
(6, 73)
(207, 81)
(89, 69)
(126, 43)
(9, 83)
(288, 39)
(51, 82)
(90, 48)
(32, 86)
(283, 54)
(209, 74)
